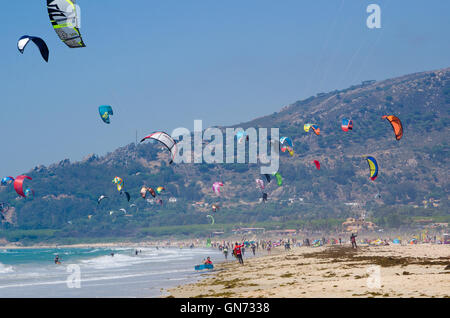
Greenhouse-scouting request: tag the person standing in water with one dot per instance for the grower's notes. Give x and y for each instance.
(225, 252)
(57, 261)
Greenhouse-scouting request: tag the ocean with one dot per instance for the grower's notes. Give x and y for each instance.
(93, 272)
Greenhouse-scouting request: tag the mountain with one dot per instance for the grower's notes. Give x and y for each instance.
(412, 170)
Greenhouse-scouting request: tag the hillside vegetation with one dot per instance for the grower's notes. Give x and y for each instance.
(412, 170)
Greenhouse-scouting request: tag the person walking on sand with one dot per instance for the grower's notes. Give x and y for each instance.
(253, 248)
(225, 252)
(353, 240)
(238, 252)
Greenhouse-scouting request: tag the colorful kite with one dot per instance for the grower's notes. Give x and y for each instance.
(279, 178)
(18, 185)
(287, 145)
(260, 183)
(396, 126)
(347, 124)
(216, 187)
(373, 166)
(24, 40)
(166, 140)
(105, 112)
(65, 19)
(314, 127)
(7, 180)
(317, 163)
(119, 182)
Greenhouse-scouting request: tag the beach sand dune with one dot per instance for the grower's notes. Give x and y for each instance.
(421, 270)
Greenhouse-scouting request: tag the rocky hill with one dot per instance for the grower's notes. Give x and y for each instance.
(412, 170)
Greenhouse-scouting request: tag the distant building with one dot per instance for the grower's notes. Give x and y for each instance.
(292, 200)
(282, 232)
(423, 221)
(438, 225)
(352, 224)
(248, 230)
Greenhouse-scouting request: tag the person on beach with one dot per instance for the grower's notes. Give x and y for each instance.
(238, 252)
(57, 261)
(207, 261)
(253, 248)
(225, 252)
(287, 246)
(353, 240)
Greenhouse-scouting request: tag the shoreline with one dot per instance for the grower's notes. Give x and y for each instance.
(159, 243)
(420, 270)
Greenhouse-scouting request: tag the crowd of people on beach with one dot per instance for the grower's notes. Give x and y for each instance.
(262, 245)
(237, 249)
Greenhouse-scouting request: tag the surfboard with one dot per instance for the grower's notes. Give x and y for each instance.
(203, 266)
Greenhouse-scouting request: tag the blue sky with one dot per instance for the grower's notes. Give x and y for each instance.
(163, 63)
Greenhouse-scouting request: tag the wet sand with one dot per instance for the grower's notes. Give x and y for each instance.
(421, 270)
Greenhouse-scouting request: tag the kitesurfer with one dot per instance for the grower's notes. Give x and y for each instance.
(225, 252)
(238, 252)
(208, 261)
(353, 240)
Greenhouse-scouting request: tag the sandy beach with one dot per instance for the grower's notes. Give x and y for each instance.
(421, 270)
